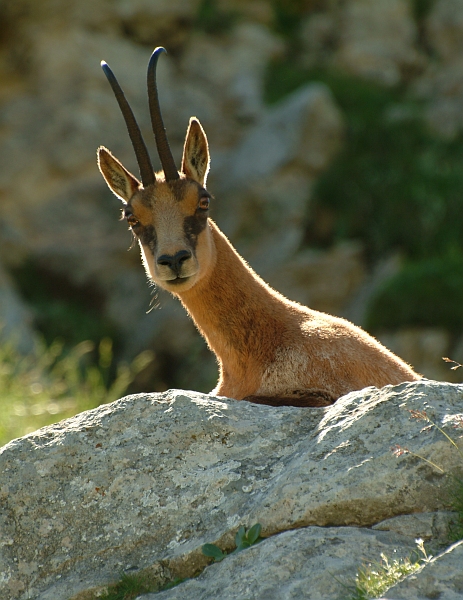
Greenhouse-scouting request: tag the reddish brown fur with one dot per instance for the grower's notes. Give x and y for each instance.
(270, 350)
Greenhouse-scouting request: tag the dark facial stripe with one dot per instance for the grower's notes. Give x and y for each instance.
(192, 226)
(148, 237)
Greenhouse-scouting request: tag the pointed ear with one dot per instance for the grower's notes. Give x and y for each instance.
(120, 181)
(196, 161)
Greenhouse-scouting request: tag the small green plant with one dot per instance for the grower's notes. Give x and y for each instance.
(375, 578)
(246, 539)
(213, 551)
(52, 384)
(132, 586)
(243, 539)
(128, 588)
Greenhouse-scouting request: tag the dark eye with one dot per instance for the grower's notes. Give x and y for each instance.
(204, 202)
(132, 221)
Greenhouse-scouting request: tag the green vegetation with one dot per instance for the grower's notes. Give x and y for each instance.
(128, 588)
(73, 368)
(62, 309)
(243, 539)
(422, 8)
(424, 293)
(52, 384)
(132, 586)
(374, 579)
(287, 16)
(395, 187)
(213, 19)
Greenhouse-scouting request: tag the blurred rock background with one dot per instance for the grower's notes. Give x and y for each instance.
(336, 133)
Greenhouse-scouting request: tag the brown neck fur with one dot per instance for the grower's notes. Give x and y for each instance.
(235, 310)
(246, 324)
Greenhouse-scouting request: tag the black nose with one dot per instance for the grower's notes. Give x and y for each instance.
(174, 262)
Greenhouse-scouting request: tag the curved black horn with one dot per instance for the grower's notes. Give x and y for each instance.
(141, 152)
(162, 144)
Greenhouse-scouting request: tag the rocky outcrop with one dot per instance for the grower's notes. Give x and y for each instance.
(143, 483)
(271, 172)
(373, 40)
(378, 40)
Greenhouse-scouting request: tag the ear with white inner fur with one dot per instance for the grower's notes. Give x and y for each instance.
(120, 181)
(196, 161)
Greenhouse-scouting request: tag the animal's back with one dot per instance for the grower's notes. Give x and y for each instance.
(332, 356)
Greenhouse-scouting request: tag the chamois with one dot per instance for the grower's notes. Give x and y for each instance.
(269, 349)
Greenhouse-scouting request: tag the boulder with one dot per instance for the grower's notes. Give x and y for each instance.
(323, 280)
(378, 40)
(444, 29)
(143, 483)
(320, 563)
(229, 71)
(305, 129)
(166, 20)
(315, 563)
(267, 180)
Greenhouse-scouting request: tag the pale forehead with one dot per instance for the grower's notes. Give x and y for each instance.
(179, 197)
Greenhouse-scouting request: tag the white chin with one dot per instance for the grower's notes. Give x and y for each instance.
(178, 285)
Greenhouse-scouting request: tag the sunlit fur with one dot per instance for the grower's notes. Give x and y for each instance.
(269, 350)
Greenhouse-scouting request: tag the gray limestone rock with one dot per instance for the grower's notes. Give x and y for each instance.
(378, 40)
(306, 129)
(427, 526)
(146, 481)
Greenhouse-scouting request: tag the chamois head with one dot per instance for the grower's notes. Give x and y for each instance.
(167, 211)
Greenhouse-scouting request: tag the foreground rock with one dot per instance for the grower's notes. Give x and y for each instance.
(317, 563)
(144, 482)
